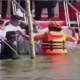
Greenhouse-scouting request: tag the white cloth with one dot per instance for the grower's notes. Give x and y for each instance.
(19, 12)
(2, 37)
(2, 33)
(43, 30)
(37, 47)
(11, 27)
(69, 44)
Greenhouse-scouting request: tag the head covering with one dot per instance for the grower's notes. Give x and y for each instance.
(54, 24)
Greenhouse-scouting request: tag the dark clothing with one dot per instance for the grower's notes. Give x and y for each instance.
(26, 27)
(4, 8)
(45, 4)
(7, 51)
(38, 12)
(39, 5)
(22, 4)
(50, 12)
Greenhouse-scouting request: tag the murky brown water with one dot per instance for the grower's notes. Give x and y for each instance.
(43, 67)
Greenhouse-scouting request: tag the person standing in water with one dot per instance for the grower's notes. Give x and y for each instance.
(53, 41)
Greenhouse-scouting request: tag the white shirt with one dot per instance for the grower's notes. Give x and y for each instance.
(2, 33)
(11, 27)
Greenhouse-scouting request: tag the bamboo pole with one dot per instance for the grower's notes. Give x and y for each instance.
(30, 29)
(10, 47)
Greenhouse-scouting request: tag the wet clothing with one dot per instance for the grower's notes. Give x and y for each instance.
(55, 44)
(7, 52)
(58, 39)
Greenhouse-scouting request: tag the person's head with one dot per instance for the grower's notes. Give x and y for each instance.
(2, 27)
(16, 20)
(54, 26)
(11, 36)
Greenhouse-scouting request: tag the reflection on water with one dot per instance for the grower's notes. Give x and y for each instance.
(56, 59)
(60, 60)
(49, 67)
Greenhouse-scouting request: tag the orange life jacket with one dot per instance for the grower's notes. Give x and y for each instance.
(55, 43)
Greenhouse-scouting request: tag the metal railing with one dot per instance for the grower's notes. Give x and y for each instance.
(66, 3)
(72, 6)
(15, 5)
(66, 13)
(21, 41)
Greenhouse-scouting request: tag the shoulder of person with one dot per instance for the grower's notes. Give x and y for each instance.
(7, 23)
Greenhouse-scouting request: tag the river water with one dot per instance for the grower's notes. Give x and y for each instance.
(43, 67)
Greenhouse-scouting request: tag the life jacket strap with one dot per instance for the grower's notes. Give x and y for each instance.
(51, 44)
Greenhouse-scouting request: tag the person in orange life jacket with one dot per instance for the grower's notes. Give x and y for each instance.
(53, 40)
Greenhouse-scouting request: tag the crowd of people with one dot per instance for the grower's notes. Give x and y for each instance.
(10, 30)
(5, 7)
(53, 40)
(38, 4)
(9, 35)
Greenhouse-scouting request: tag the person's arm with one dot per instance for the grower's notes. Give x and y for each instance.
(72, 39)
(26, 37)
(37, 37)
